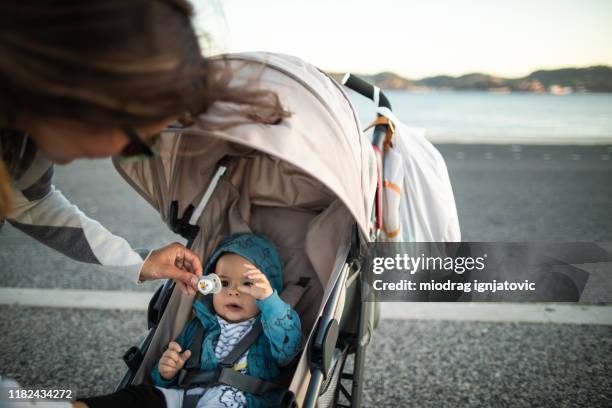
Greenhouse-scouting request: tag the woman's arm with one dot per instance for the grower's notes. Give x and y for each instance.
(42, 212)
(55, 222)
(45, 214)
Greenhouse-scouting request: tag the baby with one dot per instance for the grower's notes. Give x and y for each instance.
(251, 274)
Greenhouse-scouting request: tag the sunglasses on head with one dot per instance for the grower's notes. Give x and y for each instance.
(137, 149)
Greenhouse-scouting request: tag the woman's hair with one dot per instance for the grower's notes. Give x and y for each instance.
(115, 63)
(109, 62)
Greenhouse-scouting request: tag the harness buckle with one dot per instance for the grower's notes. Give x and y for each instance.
(224, 377)
(226, 365)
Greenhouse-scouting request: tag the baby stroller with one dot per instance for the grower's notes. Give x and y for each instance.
(309, 184)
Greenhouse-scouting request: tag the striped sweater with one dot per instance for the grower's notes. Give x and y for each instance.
(42, 212)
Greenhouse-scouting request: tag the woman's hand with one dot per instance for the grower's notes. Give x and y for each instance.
(172, 360)
(260, 287)
(174, 261)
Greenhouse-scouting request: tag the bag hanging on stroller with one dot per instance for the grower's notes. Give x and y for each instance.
(418, 204)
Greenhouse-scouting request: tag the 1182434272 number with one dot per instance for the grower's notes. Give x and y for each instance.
(20, 393)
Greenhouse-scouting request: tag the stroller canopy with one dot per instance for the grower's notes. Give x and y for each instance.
(322, 139)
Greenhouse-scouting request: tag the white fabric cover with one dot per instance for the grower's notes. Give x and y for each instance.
(427, 210)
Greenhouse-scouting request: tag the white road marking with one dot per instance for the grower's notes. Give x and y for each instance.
(516, 148)
(605, 157)
(517, 156)
(546, 156)
(74, 298)
(499, 312)
(483, 312)
(575, 156)
(488, 155)
(460, 155)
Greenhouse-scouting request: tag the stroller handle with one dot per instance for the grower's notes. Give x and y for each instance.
(366, 89)
(378, 136)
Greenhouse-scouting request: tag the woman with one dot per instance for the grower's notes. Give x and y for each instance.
(97, 79)
(82, 79)
(91, 79)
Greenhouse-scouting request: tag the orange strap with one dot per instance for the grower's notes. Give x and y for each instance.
(392, 186)
(383, 120)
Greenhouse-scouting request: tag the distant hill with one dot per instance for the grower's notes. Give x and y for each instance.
(590, 79)
(593, 79)
(469, 81)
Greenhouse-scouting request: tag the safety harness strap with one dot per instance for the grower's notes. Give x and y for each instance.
(191, 376)
(191, 400)
(196, 350)
(242, 346)
(228, 376)
(246, 383)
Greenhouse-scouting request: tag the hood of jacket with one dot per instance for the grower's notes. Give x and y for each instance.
(258, 249)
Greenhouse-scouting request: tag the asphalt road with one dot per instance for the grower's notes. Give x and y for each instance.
(503, 193)
(409, 363)
(532, 193)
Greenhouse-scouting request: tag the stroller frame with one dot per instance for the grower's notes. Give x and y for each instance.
(331, 341)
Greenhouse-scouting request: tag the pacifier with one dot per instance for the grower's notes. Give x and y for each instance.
(209, 284)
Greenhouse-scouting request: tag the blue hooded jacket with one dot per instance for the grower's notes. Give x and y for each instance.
(282, 334)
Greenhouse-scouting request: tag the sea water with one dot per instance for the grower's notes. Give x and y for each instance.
(469, 116)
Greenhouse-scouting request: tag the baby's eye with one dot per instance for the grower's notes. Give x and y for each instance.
(248, 283)
(224, 283)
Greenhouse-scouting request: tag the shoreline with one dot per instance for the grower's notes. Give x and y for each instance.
(531, 141)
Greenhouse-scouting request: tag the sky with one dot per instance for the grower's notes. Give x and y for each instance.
(417, 38)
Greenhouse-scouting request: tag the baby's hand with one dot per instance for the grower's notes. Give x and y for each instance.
(172, 360)
(260, 287)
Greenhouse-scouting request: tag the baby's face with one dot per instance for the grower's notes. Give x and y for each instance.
(231, 304)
